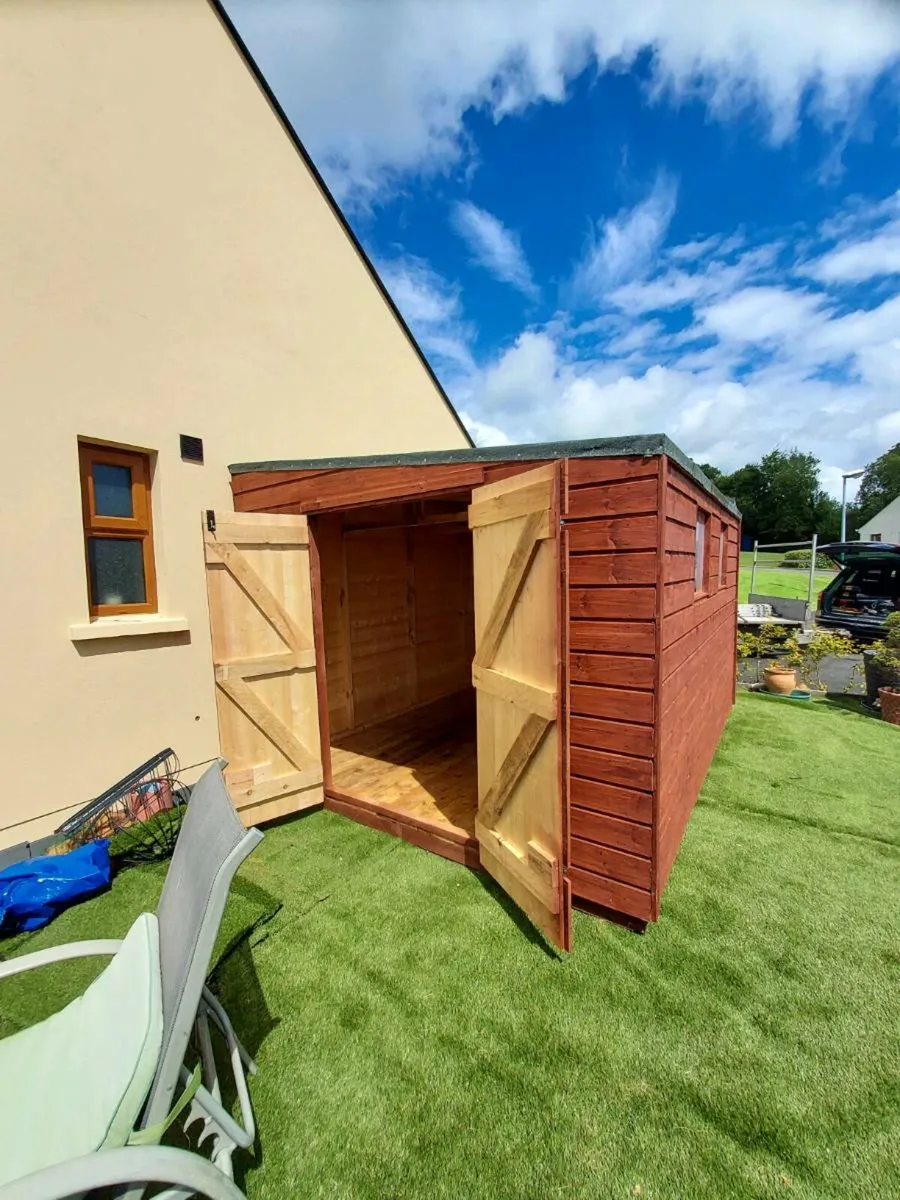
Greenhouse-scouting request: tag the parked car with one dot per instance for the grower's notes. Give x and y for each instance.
(866, 589)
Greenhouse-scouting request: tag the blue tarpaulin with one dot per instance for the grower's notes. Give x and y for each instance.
(34, 891)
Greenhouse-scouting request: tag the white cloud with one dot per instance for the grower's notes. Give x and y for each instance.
(762, 315)
(624, 247)
(858, 261)
(377, 89)
(431, 306)
(494, 247)
(712, 276)
(768, 359)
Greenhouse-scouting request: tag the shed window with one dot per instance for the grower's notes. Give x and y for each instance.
(723, 535)
(700, 563)
(118, 535)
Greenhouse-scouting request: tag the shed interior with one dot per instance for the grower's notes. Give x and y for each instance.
(399, 637)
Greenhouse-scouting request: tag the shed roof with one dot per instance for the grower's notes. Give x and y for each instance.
(645, 445)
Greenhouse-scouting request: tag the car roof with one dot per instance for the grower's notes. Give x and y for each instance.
(846, 553)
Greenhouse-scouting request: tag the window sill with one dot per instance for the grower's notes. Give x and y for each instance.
(149, 625)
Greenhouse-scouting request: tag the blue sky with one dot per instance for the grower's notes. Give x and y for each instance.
(622, 217)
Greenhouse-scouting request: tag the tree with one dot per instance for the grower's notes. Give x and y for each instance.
(828, 519)
(714, 475)
(792, 492)
(780, 498)
(880, 485)
(747, 486)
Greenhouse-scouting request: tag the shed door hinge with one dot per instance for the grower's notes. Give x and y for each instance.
(211, 520)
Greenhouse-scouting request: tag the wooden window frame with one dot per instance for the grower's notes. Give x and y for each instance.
(701, 586)
(137, 527)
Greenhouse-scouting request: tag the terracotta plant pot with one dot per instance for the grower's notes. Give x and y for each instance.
(781, 681)
(890, 705)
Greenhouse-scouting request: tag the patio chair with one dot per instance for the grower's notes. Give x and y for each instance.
(87, 1094)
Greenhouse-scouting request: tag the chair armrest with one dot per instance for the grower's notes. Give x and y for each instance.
(112, 1168)
(40, 958)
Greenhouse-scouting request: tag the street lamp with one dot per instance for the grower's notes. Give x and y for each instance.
(845, 475)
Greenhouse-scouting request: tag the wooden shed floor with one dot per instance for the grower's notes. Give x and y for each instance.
(421, 764)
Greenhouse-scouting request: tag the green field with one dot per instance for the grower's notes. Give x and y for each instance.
(791, 584)
(417, 1040)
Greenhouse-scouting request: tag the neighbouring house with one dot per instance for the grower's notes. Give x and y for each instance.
(179, 292)
(884, 526)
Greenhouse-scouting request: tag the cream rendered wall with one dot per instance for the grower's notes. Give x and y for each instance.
(169, 266)
(887, 523)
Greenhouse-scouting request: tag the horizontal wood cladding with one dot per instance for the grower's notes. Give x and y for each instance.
(351, 487)
(637, 566)
(588, 472)
(634, 807)
(398, 610)
(678, 567)
(620, 865)
(616, 704)
(611, 831)
(629, 498)
(611, 735)
(623, 769)
(613, 636)
(685, 647)
(699, 695)
(695, 687)
(613, 603)
(613, 533)
(259, 481)
(612, 670)
(620, 897)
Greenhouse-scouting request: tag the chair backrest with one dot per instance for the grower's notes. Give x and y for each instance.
(211, 846)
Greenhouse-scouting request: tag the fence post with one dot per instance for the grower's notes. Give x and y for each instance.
(753, 568)
(812, 571)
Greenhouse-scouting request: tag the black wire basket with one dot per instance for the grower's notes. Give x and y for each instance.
(141, 814)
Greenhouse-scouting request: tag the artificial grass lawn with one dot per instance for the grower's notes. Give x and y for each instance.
(787, 583)
(415, 1041)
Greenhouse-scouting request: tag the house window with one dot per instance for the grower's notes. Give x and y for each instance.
(118, 534)
(723, 536)
(700, 556)
(874, 537)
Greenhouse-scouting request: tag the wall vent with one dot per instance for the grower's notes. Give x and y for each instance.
(191, 448)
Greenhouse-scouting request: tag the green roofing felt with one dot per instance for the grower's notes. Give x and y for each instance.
(645, 445)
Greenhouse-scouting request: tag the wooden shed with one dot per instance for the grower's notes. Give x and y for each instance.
(521, 656)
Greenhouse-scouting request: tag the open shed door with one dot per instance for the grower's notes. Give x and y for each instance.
(260, 611)
(516, 674)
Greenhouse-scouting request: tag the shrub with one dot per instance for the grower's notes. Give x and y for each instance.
(887, 651)
(801, 559)
(808, 659)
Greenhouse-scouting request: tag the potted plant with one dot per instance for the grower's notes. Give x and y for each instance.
(781, 677)
(882, 660)
(890, 704)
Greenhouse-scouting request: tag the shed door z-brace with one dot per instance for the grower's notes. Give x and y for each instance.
(261, 623)
(516, 674)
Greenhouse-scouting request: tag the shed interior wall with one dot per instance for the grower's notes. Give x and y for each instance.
(398, 634)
